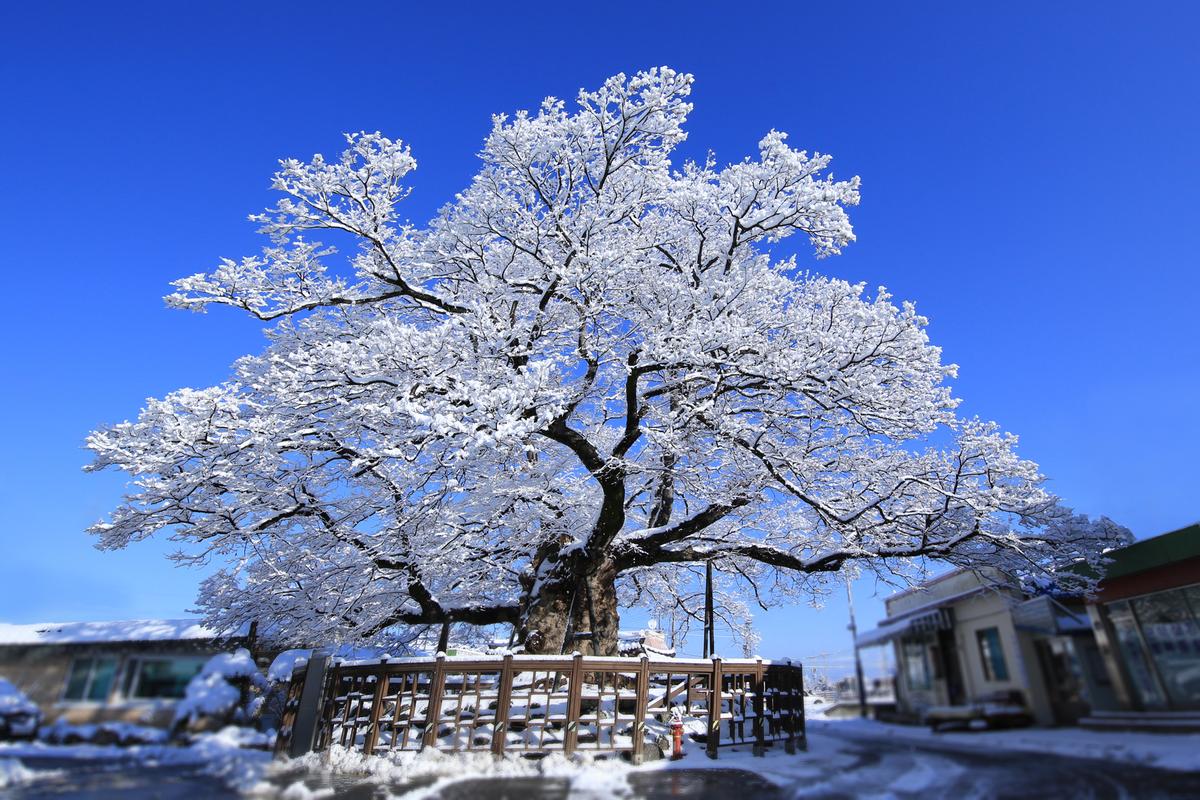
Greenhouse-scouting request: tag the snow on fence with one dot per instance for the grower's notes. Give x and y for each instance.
(543, 704)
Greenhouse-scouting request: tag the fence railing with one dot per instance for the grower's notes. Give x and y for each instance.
(543, 704)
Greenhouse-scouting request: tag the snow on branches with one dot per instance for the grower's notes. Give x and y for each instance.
(586, 371)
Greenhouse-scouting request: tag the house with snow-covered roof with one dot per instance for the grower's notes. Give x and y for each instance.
(973, 636)
(116, 671)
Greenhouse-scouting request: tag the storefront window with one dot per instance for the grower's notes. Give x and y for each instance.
(1120, 615)
(1192, 595)
(916, 665)
(1172, 634)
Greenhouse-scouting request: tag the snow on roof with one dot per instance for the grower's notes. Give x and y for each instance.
(134, 630)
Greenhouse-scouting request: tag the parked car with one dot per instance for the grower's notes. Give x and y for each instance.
(19, 716)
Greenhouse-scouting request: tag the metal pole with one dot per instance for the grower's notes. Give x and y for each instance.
(710, 640)
(858, 669)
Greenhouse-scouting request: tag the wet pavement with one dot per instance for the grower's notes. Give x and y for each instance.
(116, 780)
(834, 769)
(906, 770)
(705, 784)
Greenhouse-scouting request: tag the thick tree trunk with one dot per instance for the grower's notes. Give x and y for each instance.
(544, 622)
(604, 617)
(562, 610)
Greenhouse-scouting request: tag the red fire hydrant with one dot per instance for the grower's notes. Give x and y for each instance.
(676, 736)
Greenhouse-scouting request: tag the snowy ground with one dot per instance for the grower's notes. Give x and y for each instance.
(1174, 751)
(845, 759)
(224, 756)
(850, 758)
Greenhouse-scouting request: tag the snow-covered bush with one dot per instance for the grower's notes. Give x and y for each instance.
(228, 690)
(107, 733)
(19, 716)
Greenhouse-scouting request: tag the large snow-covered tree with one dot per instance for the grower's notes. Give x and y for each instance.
(586, 373)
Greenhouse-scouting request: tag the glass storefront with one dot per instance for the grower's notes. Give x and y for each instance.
(1172, 633)
(1158, 636)
(916, 665)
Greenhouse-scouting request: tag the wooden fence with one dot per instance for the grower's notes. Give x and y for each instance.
(543, 704)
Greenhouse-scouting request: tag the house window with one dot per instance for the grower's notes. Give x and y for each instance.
(992, 654)
(916, 665)
(159, 677)
(90, 679)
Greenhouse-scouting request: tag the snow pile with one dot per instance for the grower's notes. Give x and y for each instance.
(1175, 751)
(228, 689)
(598, 779)
(300, 791)
(207, 696)
(120, 733)
(588, 777)
(14, 773)
(286, 664)
(13, 699)
(237, 756)
(238, 664)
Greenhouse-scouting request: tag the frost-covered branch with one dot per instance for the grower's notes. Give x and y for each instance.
(588, 369)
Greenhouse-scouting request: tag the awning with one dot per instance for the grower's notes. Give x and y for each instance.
(939, 619)
(1047, 616)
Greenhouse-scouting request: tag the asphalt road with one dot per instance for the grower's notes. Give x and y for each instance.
(863, 768)
(115, 780)
(904, 770)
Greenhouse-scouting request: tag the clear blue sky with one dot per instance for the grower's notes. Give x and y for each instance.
(1030, 178)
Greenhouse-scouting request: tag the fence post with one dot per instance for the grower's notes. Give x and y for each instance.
(433, 709)
(760, 689)
(503, 698)
(639, 713)
(574, 698)
(715, 700)
(381, 682)
(803, 714)
(785, 685)
(291, 704)
(309, 706)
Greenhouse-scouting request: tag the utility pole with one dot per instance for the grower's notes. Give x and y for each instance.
(858, 670)
(710, 639)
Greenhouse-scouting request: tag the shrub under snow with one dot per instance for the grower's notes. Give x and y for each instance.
(227, 690)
